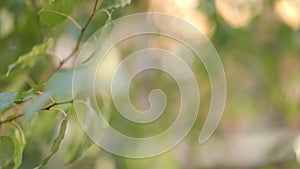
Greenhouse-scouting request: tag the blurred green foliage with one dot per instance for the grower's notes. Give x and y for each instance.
(261, 60)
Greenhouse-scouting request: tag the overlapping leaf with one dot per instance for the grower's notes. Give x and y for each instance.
(19, 142)
(29, 59)
(57, 11)
(7, 99)
(82, 148)
(6, 150)
(56, 143)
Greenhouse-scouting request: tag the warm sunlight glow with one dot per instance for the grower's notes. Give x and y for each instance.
(238, 13)
(7, 22)
(186, 9)
(289, 12)
(296, 147)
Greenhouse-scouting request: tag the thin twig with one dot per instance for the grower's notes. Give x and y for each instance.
(55, 104)
(11, 119)
(53, 55)
(42, 109)
(61, 63)
(29, 80)
(83, 29)
(76, 48)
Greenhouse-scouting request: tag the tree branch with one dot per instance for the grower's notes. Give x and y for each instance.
(42, 109)
(11, 119)
(76, 48)
(55, 104)
(61, 63)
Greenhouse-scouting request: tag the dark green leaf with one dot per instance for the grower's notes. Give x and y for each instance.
(85, 144)
(29, 59)
(7, 99)
(57, 11)
(56, 143)
(111, 4)
(6, 150)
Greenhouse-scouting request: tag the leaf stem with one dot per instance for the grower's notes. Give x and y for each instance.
(66, 16)
(107, 12)
(19, 128)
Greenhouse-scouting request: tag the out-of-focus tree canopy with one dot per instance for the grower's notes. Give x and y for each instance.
(258, 42)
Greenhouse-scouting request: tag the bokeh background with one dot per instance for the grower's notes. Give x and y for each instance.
(258, 42)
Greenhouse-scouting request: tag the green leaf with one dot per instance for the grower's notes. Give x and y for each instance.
(57, 11)
(19, 143)
(6, 150)
(7, 99)
(56, 143)
(18, 153)
(29, 59)
(105, 33)
(27, 95)
(35, 106)
(111, 4)
(61, 85)
(85, 144)
(25, 99)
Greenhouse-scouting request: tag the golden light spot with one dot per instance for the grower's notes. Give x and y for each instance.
(108, 67)
(238, 13)
(187, 10)
(289, 12)
(6, 22)
(296, 147)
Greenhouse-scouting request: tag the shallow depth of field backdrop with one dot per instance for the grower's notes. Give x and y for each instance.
(258, 42)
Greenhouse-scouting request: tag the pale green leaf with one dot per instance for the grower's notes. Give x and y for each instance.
(111, 4)
(6, 150)
(61, 85)
(30, 94)
(105, 34)
(56, 143)
(7, 99)
(25, 98)
(82, 148)
(35, 106)
(19, 142)
(29, 59)
(57, 11)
